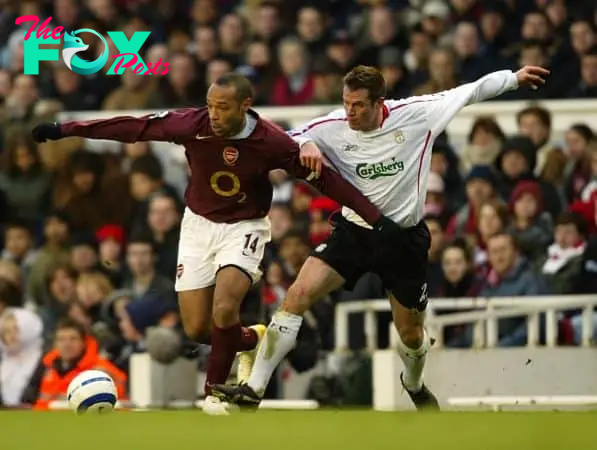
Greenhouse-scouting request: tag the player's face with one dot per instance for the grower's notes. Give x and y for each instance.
(362, 113)
(226, 113)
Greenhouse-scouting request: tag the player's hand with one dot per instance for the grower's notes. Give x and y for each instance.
(532, 76)
(311, 157)
(46, 132)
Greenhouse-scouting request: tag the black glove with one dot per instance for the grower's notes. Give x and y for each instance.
(46, 131)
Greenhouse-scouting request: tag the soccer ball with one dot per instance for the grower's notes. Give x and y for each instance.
(92, 390)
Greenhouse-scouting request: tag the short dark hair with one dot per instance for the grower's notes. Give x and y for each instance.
(10, 294)
(488, 124)
(148, 165)
(142, 237)
(513, 239)
(573, 218)
(460, 243)
(369, 78)
(67, 323)
(240, 83)
(541, 113)
(295, 233)
(18, 223)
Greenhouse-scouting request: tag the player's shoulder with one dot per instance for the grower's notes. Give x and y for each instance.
(333, 120)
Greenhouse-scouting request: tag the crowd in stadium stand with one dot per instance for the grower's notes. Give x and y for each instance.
(89, 239)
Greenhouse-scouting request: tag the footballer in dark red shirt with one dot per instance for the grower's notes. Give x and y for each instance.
(231, 151)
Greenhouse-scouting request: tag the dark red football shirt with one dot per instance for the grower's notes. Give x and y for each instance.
(229, 177)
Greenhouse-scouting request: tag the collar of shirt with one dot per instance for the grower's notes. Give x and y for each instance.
(250, 124)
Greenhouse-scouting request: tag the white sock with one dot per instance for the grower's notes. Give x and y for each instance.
(278, 341)
(414, 362)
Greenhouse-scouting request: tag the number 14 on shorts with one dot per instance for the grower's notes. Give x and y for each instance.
(250, 245)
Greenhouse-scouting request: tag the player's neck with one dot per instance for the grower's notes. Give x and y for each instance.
(376, 124)
(241, 127)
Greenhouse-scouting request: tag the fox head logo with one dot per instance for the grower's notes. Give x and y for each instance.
(73, 45)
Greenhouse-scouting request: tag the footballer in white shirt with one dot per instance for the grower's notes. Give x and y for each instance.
(383, 147)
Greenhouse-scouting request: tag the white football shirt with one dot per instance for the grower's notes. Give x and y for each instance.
(390, 165)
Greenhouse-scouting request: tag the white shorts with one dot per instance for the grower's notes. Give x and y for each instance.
(205, 246)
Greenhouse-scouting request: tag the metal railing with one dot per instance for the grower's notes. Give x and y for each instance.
(482, 313)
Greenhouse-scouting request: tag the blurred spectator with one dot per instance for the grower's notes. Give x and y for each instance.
(587, 88)
(341, 50)
(531, 225)
(479, 187)
(180, 87)
(484, 144)
(436, 203)
(294, 250)
(310, 28)
(562, 266)
(69, 88)
(382, 31)
(84, 257)
(578, 169)
(21, 350)
(163, 222)
(143, 278)
(54, 251)
(458, 280)
(327, 82)
(91, 290)
(24, 183)
(534, 122)
(442, 73)
(435, 20)
(320, 211)
(10, 295)
(110, 239)
(58, 294)
(134, 93)
(74, 352)
(591, 187)
(493, 217)
(434, 270)
(394, 72)
(515, 163)
(281, 219)
(511, 275)
(267, 25)
(135, 318)
(89, 196)
(295, 85)
(19, 248)
(467, 47)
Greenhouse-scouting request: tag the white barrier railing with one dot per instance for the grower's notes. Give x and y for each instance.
(484, 316)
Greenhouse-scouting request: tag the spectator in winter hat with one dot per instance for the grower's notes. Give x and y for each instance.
(436, 203)
(320, 210)
(563, 264)
(341, 49)
(531, 225)
(135, 320)
(588, 210)
(110, 239)
(515, 163)
(479, 187)
(392, 66)
(492, 219)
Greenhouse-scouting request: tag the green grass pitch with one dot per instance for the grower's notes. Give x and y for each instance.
(299, 430)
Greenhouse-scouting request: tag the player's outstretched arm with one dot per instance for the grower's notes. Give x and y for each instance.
(441, 108)
(166, 126)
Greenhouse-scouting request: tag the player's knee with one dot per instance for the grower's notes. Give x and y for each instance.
(411, 335)
(197, 331)
(298, 299)
(226, 311)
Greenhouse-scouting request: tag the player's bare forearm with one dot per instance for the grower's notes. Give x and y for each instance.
(337, 188)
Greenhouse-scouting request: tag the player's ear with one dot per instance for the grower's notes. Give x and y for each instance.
(379, 102)
(246, 104)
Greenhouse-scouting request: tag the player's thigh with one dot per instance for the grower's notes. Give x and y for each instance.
(196, 312)
(196, 249)
(404, 276)
(343, 253)
(315, 280)
(242, 246)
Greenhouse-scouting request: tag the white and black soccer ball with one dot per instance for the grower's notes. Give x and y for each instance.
(92, 390)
